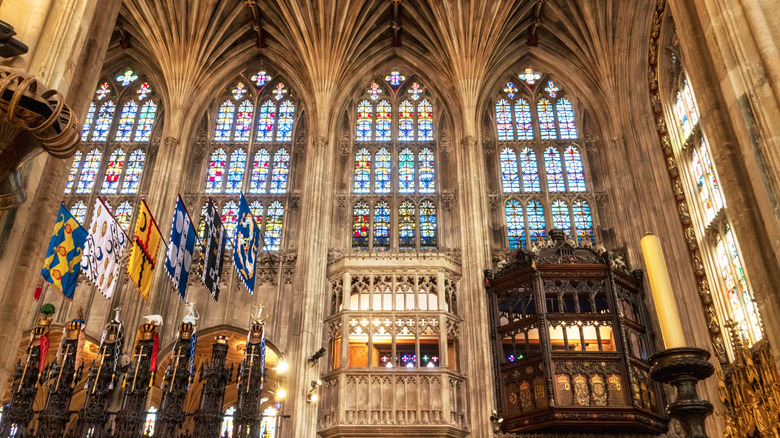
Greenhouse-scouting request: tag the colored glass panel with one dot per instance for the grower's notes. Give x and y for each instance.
(510, 90)
(382, 172)
(151, 418)
(202, 222)
(552, 164)
(227, 420)
(239, 91)
(546, 119)
(560, 216)
(566, 125)
(257, 211)
(682, 115)
(216, 171)
(405, 121)
(406, 225)
(89, 171)
(103, 90)
(280, 172)
(552, 89)
(406, 171)
(381, 225)
(752, 313)
(268, 426)
(693, 113)
(529, 76)
(515, 224)
(126, 121)
(525, 128)
(273, 226)
(583, 221)
(135, 167)
(383, 119)
(123, 214)
(536, 224)
(709, 169)
(425, 161)
(374, 91)
(510, 180)
(732, 287)
(395, 78)
(103, 121)
(530, 170)
(415, 91)
(574, 169)
(280, 91)
(229, 220)
(260, 168)
(702, 184)
(79, 211)
(244, 121)
(360, 223)
(364, 121)
(143, 91)
(284, 127)
(427, 225)
(425, 121)
(88, 121)
(265, 122)
(362, 171)
(127, 78)
(224, 121)
(260, 78)
(143, 130)
(236, 171)
(504, 121)
(116, 162)
(74, 169)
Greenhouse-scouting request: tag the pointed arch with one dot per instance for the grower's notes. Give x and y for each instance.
(103, 121)
(122, 214)
(362, 182)
(530, 170)
(284, 126)
(560, 216)
(229, 221)
(74, 169)
(583, 221)
(143, 131)
(256, 208)
(79, 212)
(88, 121)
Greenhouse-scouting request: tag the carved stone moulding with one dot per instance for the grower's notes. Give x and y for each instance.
(32, 119)
(393, 430)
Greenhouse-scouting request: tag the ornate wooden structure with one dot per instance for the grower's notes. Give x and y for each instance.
(246, 422)
(216, 375)
(175, 385)
(130, 419)
(571, 343)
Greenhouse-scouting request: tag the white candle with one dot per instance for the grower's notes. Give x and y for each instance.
(663, 295)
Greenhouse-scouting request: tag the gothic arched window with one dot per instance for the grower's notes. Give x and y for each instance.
(227, 423)
(149, 421)
(540, 165)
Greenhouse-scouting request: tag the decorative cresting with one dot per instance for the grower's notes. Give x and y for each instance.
(246, 422)
(103, 375)
(138, 380)
(62, 376)
(208, 418)
(19, 412)
(31, 119)
(175, 384)
(571, 343)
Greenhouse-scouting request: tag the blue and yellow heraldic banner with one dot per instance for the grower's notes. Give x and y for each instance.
(63, 260)
(246, 245)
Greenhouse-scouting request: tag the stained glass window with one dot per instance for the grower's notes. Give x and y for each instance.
(702, 184)
(273, 226)
(742, 305)
(89, 171)
(127, 78)
(143, 130)
(736, 263)
(265, 122)
(427, 172)
(395, 78)
(560, 216)
(383, 118)
(260, 167)
(239, 91)
(360, 223)
(227, 423)
(374, 91)
(583, 221)
(151, 418)
(525, 129)
(510, 90)
(202, 222)
(280, 91)
(268, 427)
(103, 90)
(135, 167)
(682, 116)
(74, 169)
(229, 220)
(530, 170)
(552, 164)
(709, 169)
(123, 214)
(280, 172)
(509, 177)
(546, 119)
(236, 171)
(216, 171)
(406, 171)
(88, 121)
(529, 76)
(363, 171)
(565, 112)
(504, 120)
(143, 91)
(260, 78)
(688, 96)
(536, 224)
(257, 211)
(79, 211)
(415, 91)
(382, 172)
(405, 121)
(244, 121)
(552, 89)
(126, 121)
(425, 121)
(224, 121)
(574, 170)
(381, 225)
(116, 163)
(406, 225)
(284, 127)
(103, 121)
(515, 224)
(364, 116)
(427, 225)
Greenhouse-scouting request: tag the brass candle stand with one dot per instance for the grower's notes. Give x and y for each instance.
(683, 368)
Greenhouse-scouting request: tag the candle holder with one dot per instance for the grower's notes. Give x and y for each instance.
(683, 368)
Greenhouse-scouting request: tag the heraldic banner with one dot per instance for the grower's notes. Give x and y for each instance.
(246, 245)
(213, 250)
(66, 248)
(104, 249)
(143, 255)
(180, 249)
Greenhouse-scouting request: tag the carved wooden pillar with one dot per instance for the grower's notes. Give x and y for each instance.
(208, 418)
(246, 422)
(174, 388)
(130, 419)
